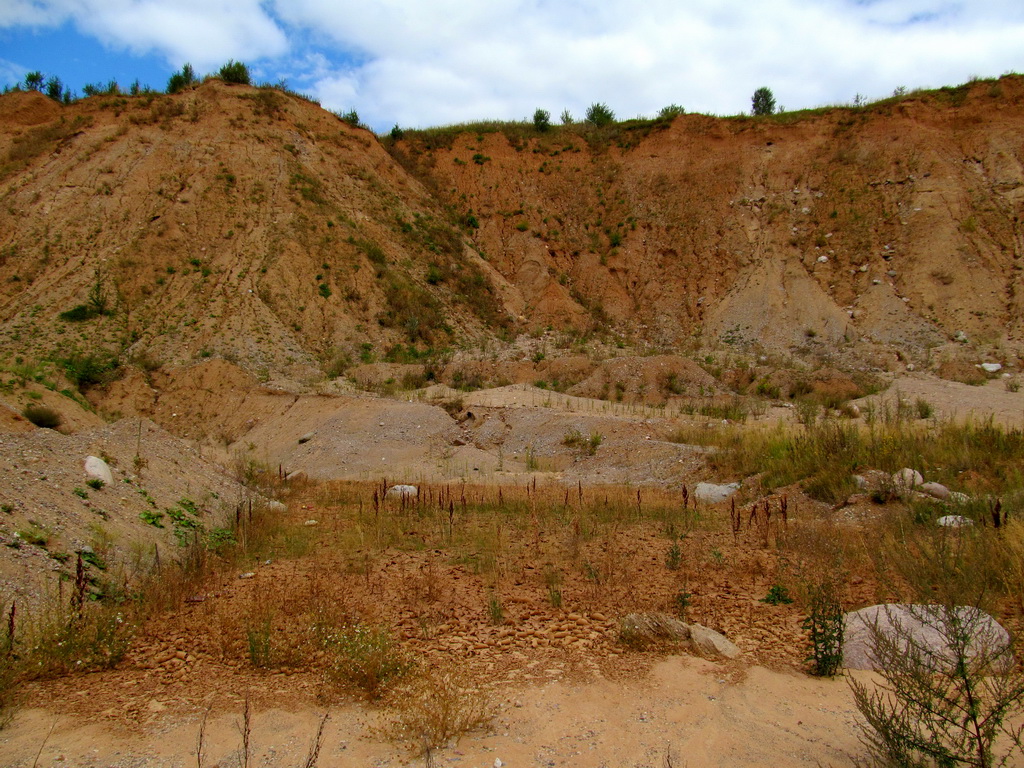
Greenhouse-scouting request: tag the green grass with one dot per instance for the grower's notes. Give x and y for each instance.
(824, 456)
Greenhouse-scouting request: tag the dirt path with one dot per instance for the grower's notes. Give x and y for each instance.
(704, 713)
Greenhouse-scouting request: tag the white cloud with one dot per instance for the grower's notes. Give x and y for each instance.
(450, 61)
(204, 32)
(11, 73)
(427, 63)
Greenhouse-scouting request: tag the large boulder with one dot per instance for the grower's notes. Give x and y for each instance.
(922, 626)
(660, 627)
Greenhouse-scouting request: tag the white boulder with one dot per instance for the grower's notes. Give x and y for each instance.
(402, 492)
(921, 625)
(954, 521)
(713, 492)
(97, 468)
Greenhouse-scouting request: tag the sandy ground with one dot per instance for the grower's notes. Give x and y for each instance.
(697, 712)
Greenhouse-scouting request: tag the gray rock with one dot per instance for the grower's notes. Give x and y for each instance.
(937, 490)
(861, 482)
(298, 476)
(714, 493)
(958, 498)
(654, 626)
(710, 644)
(991, 367)
(954, 521)
(920, 624)
(98, 468)
(960, 336)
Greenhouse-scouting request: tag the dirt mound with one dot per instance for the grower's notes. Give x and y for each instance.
(50, 511)
(646, 379)
(25, 108)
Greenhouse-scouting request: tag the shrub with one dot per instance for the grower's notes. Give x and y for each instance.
(566, 117)
(352, 118)
(87, 370)
(542, 120)
(436, 708)
(599, 114)
(671, 111)
(42, 416)
(763, 102)
(362, 656)
(179, 81)
(941, 707)
(235, 72)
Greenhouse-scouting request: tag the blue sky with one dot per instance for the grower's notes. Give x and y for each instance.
(432, 62)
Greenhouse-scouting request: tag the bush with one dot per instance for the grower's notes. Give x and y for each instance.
(437, 708)
(671, 111)
(542, 120)
(235, 72)
(763, 102)
(599, 114)
(941, 707)
(363, 656)
(179, 81)
(88, 370)
(42, 416)
(351, 118)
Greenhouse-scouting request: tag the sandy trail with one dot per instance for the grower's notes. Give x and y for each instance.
(699, 712)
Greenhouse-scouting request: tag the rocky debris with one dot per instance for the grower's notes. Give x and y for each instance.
(954, 521)
(402, 492)
(935, 490)
(97, 468)
(921, 625)
(907, 479)
(714, 493)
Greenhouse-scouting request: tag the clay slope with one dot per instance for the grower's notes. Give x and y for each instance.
(251, 225)
(231, 221)
(763, 229)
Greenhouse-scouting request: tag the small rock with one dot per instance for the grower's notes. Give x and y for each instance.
(306, 437)
(960, 336)
(311, 523)
(823, 259)
(247, 575)
(991, 367)
(954, 521)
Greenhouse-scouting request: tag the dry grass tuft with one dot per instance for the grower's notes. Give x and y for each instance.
(436, 708)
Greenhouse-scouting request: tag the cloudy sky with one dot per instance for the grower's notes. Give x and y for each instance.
(432, 62)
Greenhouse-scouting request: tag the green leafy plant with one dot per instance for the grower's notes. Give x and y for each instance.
(777, 595)
(95, 483)
(495, 610)
(542, 120)
(80, 493)
(671, 111)
(152, 517)
(674, 558)
(824, 624)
